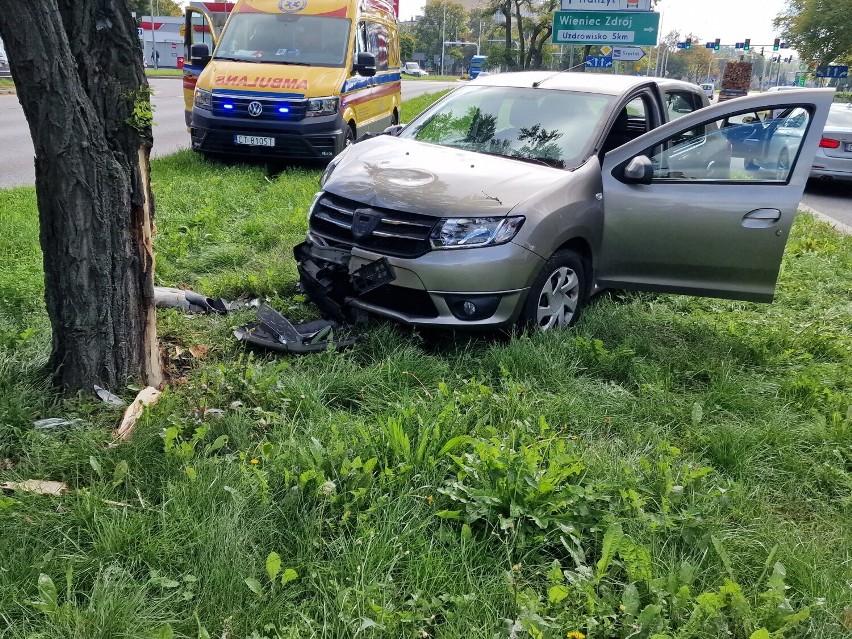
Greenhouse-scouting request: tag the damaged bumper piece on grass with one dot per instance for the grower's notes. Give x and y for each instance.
(275, 332)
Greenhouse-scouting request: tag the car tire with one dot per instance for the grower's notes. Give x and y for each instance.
(782, 167)
(558, 294)
(349, 137)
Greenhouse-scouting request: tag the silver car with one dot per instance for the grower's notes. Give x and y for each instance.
(833, 159)
(514, 197)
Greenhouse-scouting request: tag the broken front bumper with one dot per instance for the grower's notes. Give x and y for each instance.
(452, 289)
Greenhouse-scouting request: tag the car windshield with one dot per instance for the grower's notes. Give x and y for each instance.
(540, 125)
(285, 39)
(840, 117)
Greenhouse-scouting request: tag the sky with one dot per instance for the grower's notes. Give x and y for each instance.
(730, 20)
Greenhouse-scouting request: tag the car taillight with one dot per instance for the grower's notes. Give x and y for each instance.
(828, 143)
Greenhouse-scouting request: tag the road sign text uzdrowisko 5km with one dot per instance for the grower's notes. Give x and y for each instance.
(599, 27)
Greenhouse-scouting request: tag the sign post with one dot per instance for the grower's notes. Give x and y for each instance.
(606, 27)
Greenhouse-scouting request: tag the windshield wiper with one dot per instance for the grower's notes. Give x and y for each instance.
(553, 164)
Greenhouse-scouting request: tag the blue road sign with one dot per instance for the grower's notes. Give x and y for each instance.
(709, 45)
(599, 61)
(833, 71)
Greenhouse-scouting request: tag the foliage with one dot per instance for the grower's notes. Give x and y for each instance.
(161, 8)
(442, 20)
(820, 30)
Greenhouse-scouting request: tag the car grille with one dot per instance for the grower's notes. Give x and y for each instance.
(296, 109)
(397, 233)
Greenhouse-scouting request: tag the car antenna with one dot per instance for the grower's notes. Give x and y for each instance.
(538, 83)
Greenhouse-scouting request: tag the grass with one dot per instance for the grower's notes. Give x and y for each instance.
(158, 73)
(664, 448)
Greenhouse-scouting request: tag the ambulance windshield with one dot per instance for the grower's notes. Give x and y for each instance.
(285, 39)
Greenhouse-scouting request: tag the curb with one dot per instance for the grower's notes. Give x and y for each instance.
(840, 226)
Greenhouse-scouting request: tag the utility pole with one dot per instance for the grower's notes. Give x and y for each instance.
(154, 39)
(443, 35)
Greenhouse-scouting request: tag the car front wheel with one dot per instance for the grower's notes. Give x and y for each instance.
(558, 294)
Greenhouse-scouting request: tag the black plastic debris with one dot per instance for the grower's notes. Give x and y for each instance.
(275, 332)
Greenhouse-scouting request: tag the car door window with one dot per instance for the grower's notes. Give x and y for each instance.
(747, 147)
(681, 103)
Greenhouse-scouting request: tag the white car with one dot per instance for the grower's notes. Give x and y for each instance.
(412, 68)
(833, 159)
(708, 89)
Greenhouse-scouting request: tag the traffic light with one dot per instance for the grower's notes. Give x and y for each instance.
(777, 44)
(747, 44)
(716, 44)
(688, 43)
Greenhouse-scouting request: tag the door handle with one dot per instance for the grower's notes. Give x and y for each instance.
(761, 218)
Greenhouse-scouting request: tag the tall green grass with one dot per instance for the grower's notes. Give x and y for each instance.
(593, 480)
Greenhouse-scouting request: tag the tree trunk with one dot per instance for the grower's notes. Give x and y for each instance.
(587, 49)
(507, 13)
(521, 41)
(77, 66)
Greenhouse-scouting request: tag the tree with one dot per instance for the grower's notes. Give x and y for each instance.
(77, 66)
(406, 46)
(541, 30)
(442, 20)
(161, 7)
(820, 30)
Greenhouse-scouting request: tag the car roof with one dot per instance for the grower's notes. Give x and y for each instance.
(606, 84)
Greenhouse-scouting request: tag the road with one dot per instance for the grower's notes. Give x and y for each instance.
(16, 168)
(170, 135)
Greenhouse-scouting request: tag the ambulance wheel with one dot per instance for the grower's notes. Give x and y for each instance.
(395, 118)
(349, 140)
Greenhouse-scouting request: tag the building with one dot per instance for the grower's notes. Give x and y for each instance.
(163, 35)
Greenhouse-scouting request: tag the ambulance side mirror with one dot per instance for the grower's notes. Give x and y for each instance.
(199, 54)
(365, 64)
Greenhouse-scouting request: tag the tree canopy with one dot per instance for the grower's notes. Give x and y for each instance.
(161, 7)
(820, 30)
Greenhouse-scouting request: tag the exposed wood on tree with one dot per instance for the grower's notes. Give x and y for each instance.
(77, 66)
(146, 397)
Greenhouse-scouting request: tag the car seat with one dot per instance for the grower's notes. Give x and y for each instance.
(619, 133)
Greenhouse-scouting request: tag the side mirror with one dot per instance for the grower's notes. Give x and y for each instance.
(199, 54)
(365, 64)
(639, 170)
(394, 130)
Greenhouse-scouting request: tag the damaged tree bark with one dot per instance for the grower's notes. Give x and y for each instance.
(77, 67)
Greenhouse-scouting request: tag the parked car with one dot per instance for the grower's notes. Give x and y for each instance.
(412, 68)
(834, 155)
(514, 197)
(709, 88)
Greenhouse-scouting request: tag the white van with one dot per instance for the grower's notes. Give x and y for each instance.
(709, 88)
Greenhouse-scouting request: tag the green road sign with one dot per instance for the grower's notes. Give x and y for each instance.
(606, 27)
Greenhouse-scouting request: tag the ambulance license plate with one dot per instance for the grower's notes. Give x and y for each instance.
(253, 140)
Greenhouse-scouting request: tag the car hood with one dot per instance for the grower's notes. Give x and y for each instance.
(407, 175)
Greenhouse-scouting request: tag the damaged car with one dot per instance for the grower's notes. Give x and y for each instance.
(512, 199)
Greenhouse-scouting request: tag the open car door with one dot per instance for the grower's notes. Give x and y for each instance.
(703, 205)
(203, 23)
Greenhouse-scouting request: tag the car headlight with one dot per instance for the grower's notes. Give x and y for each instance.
(474, 232)
(321, 106)
(203, 99)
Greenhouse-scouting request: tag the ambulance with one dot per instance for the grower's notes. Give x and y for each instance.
(290, 79)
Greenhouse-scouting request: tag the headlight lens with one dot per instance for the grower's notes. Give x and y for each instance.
(203, 99)
(321, 106)
(474, 232)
